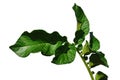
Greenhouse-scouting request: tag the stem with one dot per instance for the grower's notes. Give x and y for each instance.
(88, 69)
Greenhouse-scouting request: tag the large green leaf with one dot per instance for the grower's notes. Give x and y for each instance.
(101, 76)
(36, 41)
(82, 21)
(79, 37)
(97, 58)
(65, 54)
(94, 42)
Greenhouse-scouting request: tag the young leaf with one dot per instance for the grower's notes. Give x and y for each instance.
(101, 76)
(96, 59)
(82, 21)
(86, 50)
(79, 47)
(79, 37)
(65, 54)
(36, 41)
(94, 42)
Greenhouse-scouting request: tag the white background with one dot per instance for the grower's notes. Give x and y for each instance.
(17, 16)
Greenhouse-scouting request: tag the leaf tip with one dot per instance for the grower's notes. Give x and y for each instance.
(91, 33)
(74, 6)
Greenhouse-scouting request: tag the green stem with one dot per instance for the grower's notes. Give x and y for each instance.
(88, 69)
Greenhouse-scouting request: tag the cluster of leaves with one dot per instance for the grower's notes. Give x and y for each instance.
(54, 44)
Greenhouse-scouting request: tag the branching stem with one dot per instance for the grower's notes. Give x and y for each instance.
(88, 69)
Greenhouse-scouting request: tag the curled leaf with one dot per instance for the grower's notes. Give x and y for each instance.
(82, 21)
(101, 76)
(36, 41)
(96, 59)
(65, 54)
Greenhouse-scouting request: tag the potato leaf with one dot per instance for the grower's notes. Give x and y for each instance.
(94, 42)
(101, 76)
(82, 21)
(96, 59)
(79, 37)
(86, 50)
(79, 47)
(36, 41)
(65, 54)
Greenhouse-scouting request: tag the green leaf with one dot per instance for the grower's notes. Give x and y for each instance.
(36, 41)
(65, 54)
(79, 37)
(79, 47)
(82, 21)
(101, 76)
(86, 50)
(96, 59)
(94, 42)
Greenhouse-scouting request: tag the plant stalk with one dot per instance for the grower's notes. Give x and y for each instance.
(88, 69)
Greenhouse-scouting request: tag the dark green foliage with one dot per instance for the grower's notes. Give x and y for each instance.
(79, 37)
(94, 42)
(98, 58)
(79, 47)
(101, 76)
(36, 41)
(82, 21)
(65, 54)
(63, 51)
